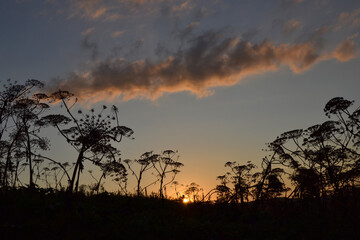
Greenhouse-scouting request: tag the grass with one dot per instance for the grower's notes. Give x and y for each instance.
(44, 215)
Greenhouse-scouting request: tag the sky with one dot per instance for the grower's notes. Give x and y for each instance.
(214, 79)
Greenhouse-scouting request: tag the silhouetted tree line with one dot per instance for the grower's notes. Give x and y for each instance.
(320, 162)
(24, 114)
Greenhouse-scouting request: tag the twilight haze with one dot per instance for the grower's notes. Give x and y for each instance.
(213, 79)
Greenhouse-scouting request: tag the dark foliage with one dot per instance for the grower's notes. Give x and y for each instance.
(42, 215)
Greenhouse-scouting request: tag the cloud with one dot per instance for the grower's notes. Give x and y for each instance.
(201, 13)
(89, 9)
(161, 50)
(348, 19)
(316, 37)
(86, 44)
(87, 31)
(117, 34)
(210, 60)
(91, 46)
(182, 6)
(112, 10)
(135, 47)
(187, 31)
(291, 26)
(346, 50)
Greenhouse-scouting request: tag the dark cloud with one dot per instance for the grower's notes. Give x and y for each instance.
(135, 47)
(210, 60)
(115, 51)
(187, 32)
(91, 46)
(161, 50)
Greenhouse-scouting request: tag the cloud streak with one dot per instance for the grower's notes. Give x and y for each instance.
(86, 44)
(345, 50)
(291, 26)
(348, 19)
(112, 10)
(117, 34)
(209, 60)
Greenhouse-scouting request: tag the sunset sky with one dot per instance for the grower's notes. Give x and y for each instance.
(213, 79)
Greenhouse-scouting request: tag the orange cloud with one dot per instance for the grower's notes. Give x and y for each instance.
(87, 31)
(182, 6)
(345, 51)
(291, 26)
(209, 61)
(348, 19)
(91, 9)
(117, 34)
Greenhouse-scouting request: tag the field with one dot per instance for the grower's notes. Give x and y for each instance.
(45, 215)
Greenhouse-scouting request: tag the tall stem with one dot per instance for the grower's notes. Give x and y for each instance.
(78, 161)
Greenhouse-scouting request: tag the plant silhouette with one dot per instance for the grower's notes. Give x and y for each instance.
(90, 135)
(319, 166)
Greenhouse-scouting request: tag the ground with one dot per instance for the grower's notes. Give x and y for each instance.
(45, 215)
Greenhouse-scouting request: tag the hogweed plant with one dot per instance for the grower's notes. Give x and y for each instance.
(91, 135)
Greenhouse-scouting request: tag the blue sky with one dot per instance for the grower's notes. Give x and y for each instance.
(213, 79)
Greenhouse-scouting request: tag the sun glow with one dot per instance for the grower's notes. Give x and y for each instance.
(186, 200)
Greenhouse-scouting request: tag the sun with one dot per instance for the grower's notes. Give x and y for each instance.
(186, 200)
